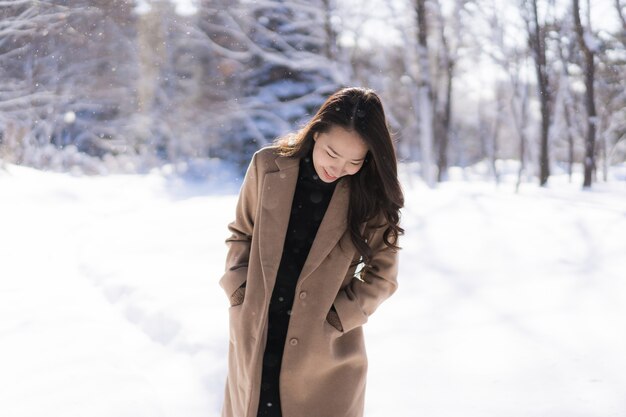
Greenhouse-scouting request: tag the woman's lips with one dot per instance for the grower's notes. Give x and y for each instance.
(330, 177)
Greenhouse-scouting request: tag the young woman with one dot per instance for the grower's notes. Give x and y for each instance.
(313, 252)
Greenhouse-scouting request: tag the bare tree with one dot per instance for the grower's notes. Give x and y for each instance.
(564, 101)
(331, 49)
(511, 111)
(586, 43)
(537, 41)
(36, 68)
(489, 126)
(449, 38)
(425, 94)
(610, 90)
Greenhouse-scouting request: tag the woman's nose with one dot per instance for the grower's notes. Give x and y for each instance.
(345, 169)
(339, 170)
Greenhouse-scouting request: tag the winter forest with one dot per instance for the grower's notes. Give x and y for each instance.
(126, 127)
(122, 86)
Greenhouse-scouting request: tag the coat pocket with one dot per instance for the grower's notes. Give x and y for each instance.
(234, 322)
(331, 331)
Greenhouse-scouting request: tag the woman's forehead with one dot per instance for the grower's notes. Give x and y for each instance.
(348, 143)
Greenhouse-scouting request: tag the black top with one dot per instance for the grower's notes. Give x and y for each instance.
(310, 201)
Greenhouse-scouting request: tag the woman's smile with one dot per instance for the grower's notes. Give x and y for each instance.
(328, 176)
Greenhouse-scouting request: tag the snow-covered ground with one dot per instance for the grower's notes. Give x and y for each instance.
(510, 305)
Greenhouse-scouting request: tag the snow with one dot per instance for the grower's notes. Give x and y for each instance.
(509, 304)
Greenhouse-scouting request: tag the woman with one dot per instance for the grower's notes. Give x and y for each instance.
(313, 252)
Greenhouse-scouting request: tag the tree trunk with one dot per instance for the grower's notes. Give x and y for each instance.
(331, 37)
(425, 95)
(444, 112)
(588, 53)
(565, 99)
(520, 123)
(570, 143)
(537, 41)
(496, 133)
(444, 138)
(622, 19)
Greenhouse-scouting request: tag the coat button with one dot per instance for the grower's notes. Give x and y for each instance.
(293, 341)
(303, 295)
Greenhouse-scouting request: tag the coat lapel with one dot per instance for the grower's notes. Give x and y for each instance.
(277, 197)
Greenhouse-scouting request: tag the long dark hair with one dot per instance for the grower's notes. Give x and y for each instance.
(375, 191)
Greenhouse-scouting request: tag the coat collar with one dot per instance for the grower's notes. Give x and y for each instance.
(276, 199)
(287, 163)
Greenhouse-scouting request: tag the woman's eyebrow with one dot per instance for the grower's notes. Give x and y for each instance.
(354, 160)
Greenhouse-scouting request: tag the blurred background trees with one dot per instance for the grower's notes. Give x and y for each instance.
(123, 86)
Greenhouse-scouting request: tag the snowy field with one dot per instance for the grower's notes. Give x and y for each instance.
(510, 305)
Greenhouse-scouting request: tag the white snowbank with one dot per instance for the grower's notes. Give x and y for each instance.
(509, 304)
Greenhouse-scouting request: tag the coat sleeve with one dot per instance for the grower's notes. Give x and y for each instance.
(236, 269)
(360, 298)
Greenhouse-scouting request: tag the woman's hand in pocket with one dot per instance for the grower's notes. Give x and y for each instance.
(333, 319)
(237, 297)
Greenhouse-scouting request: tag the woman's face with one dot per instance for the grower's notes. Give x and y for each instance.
(338, 152)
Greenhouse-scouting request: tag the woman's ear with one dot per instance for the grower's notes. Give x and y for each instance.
(315, 136)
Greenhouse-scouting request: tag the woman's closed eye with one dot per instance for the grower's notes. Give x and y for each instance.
(356, 164)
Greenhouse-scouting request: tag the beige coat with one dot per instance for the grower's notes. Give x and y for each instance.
(323, 369)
